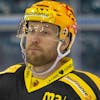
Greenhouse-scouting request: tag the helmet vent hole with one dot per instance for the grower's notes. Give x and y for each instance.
(58, 14)
(55, 10)
(43, 5)
(41, 8)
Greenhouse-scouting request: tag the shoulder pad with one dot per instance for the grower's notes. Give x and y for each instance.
(11, 69)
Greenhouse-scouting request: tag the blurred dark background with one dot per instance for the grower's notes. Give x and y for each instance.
(86, 49)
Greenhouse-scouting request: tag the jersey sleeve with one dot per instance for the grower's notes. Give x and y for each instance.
(11, 69)
(95, 79)
(7, 78)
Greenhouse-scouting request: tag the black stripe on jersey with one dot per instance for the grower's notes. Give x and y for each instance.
(90, 82)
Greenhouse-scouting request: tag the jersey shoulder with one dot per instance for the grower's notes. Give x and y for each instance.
(87, 83)
(11, 69)
(85, 74)
(88, 77)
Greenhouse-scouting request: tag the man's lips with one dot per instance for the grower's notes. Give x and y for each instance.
(34, 49)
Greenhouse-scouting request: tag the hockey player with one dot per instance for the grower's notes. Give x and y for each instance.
(46, 34)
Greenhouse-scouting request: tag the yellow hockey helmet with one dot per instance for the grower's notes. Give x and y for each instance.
(56, 13)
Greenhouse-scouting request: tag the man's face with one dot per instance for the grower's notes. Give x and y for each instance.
(41, 43)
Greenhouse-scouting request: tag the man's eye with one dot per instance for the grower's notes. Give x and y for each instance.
(45, 32)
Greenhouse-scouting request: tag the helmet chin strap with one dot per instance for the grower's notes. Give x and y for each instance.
(59, 57)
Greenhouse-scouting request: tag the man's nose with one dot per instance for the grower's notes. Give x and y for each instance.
(35, 39)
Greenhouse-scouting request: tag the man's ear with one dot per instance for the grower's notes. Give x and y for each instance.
(65, 44)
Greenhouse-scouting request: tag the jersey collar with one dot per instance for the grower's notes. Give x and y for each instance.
(32, 83)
